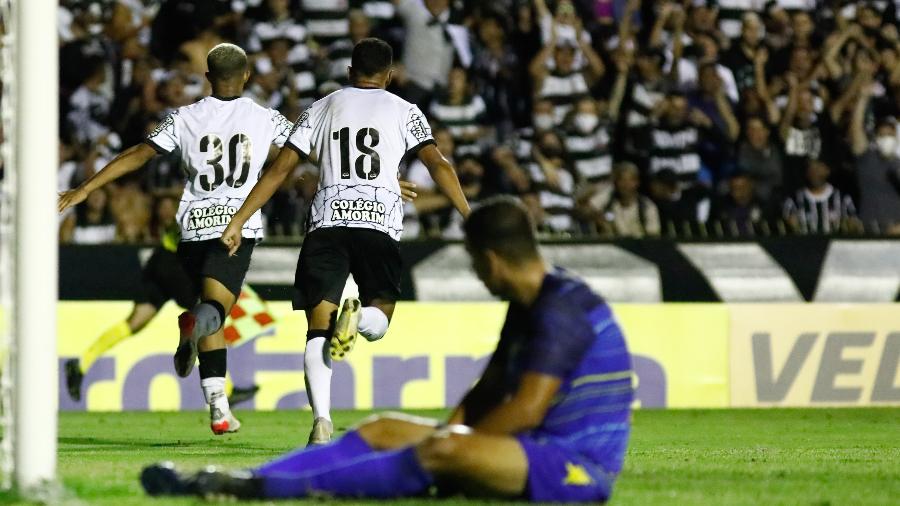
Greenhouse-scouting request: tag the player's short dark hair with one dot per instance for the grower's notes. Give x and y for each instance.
(226, 61)
(502, 225)
(371, 56)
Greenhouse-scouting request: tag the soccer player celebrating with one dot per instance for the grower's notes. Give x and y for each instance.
(224, 141)
(358, 137)
(548, 420)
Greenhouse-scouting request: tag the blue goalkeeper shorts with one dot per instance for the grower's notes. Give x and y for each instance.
(559, 474)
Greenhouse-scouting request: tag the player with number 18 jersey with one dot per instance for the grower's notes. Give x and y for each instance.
(358, 137)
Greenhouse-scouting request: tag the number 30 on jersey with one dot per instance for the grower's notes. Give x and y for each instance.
(212, 145)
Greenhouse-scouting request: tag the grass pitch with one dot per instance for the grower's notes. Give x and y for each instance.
(814, 457)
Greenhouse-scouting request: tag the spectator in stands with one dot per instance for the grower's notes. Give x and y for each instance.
(429, 47)
(740, 57)
(800, 132)
(740, 211)
(499, 77)
(622, 211)
(712, 100)
(552, 190)
(326, 20)
(799, 68)
(562, 82)
(463, 113)
(819, 207)
(646, 95)
(340, 51)
(675, 139)
(680, 209)
(90, 104)
(91, 223)
(877, 169)
(759, 158)
(589, 132)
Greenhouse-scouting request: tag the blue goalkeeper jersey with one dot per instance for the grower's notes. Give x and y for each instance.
(569, 332)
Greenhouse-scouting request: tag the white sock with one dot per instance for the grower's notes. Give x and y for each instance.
(214, 392)
(373, 324)
(317, 367)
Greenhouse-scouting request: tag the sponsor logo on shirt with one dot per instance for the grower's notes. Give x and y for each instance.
(358, 210)
(213, 216)
(418, 127)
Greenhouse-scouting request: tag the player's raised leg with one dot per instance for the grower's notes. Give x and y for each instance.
(140, 316)
(376, 266)
(209, 341)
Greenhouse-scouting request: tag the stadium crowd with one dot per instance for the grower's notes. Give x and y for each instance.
(607, 117)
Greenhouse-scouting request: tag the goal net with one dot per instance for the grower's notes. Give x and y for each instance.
(28, 246)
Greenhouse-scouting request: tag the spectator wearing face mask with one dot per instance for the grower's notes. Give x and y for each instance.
(877, 169)
(622, 211)
(589, 133)
(552, 196)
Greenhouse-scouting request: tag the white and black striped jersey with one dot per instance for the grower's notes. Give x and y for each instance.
(819, 214)
(464, 121)
(563, 89)
(558, 202)
(590, 152)
(223, 145)
(677, 148)
(326, 19)
(358, 137)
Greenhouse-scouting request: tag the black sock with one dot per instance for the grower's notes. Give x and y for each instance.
(213, 364)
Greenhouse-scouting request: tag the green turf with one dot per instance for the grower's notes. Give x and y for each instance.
(817, 457)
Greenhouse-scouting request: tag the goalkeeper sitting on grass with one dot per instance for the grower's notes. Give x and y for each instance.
(548, 420)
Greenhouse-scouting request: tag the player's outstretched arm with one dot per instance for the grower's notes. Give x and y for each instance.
(445, 177)
(271, 180)
(129, 160)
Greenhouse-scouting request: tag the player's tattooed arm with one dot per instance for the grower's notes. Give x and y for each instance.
(444, 175)
(128, 161)
(267, 185)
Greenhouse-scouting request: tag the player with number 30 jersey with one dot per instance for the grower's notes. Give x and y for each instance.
(223, 141)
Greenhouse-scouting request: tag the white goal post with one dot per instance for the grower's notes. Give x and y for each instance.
(30, 266)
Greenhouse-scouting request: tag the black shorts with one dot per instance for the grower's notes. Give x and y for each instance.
(209, 259)
(164, 278)
(329, 255)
